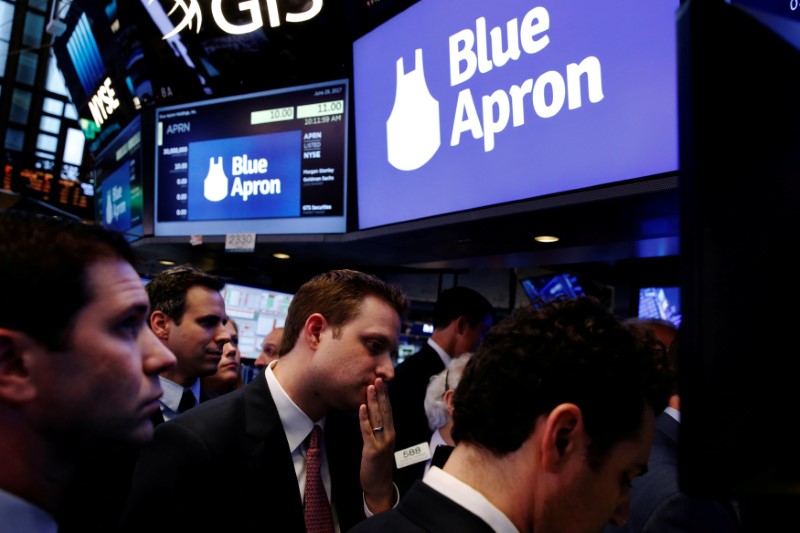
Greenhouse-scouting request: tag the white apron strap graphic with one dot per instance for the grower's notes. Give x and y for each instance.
(109, 209)
(215, 186)
(412, 131)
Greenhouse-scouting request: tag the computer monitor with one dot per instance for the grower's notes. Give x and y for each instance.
(549, 287)
(545, 288)
(257, 311)
(273, 162)
(660, 302)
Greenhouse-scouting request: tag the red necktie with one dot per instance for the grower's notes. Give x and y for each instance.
(317, 508)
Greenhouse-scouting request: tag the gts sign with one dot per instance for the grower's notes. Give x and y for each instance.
(252, 9)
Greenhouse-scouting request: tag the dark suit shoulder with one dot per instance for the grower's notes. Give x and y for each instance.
(411, 378)
(424, 509)
(226, 444)
(658, 504)
(424, 361)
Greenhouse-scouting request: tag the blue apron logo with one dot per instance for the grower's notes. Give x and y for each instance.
(412, 131)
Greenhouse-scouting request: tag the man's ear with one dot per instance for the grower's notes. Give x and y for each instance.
(313, 329)
(160, 324)
(448, 400)
(462, 325)
(16, 385)
(564, 435)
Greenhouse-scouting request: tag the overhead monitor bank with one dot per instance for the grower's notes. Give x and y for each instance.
(119, 58)
(462, 105)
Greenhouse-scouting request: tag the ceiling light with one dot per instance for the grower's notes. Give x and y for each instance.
(545, 238)
(280, 255)
(166, 262)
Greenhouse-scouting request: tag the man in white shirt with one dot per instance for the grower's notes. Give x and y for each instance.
(553, 418)
(461, 316)
(78, 365)
(254, 444)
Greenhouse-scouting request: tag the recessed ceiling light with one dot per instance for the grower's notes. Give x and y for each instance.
(280, 255)
(166, 262)
(545, 238)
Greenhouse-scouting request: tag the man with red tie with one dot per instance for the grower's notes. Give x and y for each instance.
(262, 445)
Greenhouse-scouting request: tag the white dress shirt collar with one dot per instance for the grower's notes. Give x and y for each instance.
(436, 440)
(674, 413)
(173, 392)
(442, 354)
(296, 424)
(20, 515)
(468, 498)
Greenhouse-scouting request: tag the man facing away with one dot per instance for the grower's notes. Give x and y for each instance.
(553, 418)
(188, 315)
(657, 501)
(461, 316)
(78, 365)
(257, 444)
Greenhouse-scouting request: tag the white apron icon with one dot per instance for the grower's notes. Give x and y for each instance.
(412, 131)
(215, 187)
(109, 209)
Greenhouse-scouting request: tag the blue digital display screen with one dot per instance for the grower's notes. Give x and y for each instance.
(507, 101)
(119, 194)
(660, 302)
(543, 289)
(273, 162)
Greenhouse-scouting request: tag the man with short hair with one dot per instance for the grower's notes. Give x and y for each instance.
(78, 365)
(262, 443)
(461, 316)
(188, 315)
(553, 418)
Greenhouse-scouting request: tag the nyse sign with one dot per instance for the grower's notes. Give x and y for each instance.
(104, 102)
(193, 17)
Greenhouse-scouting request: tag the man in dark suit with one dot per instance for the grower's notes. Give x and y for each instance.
(461, 316)
(553, 417)
(657, 502)
(187, 312)
(252, 445)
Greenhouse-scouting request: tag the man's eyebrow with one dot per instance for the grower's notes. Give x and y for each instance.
(385, 339)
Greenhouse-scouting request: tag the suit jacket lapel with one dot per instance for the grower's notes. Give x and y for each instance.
(157, 418)
(271, 465)
(668, 426)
